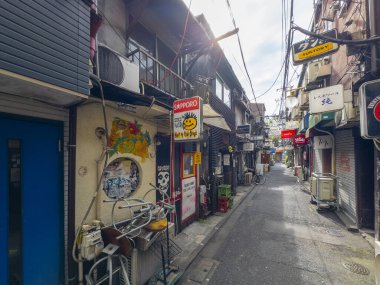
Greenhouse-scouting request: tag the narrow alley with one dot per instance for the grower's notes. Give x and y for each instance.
(276, 236)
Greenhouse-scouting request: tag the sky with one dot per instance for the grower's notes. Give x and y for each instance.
(260, 32)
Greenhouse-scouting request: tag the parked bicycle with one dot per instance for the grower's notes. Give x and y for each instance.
(259, 179)
(120, 235)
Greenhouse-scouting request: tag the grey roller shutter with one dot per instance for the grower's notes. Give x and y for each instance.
(345, 170)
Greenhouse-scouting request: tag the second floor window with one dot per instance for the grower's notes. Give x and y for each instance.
(222, 91)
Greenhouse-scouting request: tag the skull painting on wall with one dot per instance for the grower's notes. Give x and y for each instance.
(163, 180)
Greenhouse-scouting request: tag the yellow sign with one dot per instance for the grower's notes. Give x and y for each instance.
(316, 50)
(197, 157)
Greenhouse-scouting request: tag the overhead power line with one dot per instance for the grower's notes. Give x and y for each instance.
(242, 56)
(338, 41)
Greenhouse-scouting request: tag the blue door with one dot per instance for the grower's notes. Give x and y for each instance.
(31, 202)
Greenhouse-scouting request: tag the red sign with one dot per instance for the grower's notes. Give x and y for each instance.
(287, 134)
(376, 111)
(186, 105)
(299, 140)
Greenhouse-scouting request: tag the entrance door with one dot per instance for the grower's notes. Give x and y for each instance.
(31, 220)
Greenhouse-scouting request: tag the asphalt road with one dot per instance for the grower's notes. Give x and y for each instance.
(276, 236)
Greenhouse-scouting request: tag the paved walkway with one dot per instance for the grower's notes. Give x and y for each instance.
(274, 236)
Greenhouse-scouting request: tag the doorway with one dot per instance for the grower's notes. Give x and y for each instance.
(31, 202)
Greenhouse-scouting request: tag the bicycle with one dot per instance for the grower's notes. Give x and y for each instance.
(259, 178)
(120, 235)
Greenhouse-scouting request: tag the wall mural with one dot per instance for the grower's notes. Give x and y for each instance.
(127, 137)
(121, 178)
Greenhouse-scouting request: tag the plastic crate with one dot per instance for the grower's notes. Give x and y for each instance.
(224, 190)
(223, 204)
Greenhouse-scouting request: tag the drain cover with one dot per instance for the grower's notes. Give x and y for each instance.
(335, 233)
(355, 267)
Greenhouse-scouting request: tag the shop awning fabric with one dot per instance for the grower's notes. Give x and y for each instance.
(213, 118)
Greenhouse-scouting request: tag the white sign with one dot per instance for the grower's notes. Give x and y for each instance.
(292, 125)
(322, 142)
(226, 159)
(188, 197)
(188, 119)
(326, 99)
(248, 146)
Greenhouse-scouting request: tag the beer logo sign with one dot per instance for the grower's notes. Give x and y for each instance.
(187, 119)
(376, 111)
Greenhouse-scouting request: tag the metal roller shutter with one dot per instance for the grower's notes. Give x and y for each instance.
(25, 106)
(345, 170)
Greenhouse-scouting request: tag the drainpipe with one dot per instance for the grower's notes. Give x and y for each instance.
(373, 10)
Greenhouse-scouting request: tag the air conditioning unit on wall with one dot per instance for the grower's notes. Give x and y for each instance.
(318, 69)
(118, 70)
(303, 98)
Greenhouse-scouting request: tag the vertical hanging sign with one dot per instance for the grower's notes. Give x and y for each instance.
(188, 119)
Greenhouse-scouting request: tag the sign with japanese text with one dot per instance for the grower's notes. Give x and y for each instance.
(326, 99)
(188, 119)
(287, 134)
(197, 157)
(313, 48)
(299, 140)
(243, 129)
(322, 142)
(370, 109)
(188, 197)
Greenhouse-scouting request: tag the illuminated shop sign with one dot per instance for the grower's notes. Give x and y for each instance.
(188, 119)
(287, 134)
(313, 48)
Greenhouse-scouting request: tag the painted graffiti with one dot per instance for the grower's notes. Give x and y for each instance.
(121, 178)
(128, 137)
(344, 162)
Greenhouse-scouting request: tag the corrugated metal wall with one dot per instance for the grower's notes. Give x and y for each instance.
(47, 40)
(345, 170)
(24, 106)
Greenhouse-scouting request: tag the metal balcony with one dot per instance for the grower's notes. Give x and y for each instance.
(155, 74)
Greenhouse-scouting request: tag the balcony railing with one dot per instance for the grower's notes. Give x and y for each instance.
(156, 74)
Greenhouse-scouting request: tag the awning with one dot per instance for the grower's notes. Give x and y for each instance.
(213, 118)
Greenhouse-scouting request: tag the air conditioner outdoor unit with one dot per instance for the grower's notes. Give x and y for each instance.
(118, 70)
(324, 70)
(312, 71)
(303, 100)
(326, 188)
(296, 113)
(352, 112)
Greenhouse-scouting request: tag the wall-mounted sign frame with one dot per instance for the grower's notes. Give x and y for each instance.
(326, 99)
(369, 94)
(188, 119)
(299, 140)
(313, 48)
(243, 129)
(323, 142)
(287, 134)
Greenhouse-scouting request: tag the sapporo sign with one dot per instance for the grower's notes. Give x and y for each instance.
(188, 119)
(313, 48)
(369, 94)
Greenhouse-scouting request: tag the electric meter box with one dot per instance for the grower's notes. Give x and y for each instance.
(326, 188)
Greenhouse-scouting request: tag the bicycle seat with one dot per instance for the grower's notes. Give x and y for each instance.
(110, 235)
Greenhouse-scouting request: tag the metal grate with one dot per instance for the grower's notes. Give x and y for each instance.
(355, 268)
(174, 249)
